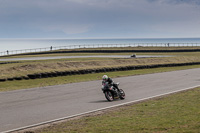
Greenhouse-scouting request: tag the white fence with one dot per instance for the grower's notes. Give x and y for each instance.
(4, 53)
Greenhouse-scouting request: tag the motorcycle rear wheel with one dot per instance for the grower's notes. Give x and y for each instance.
(109, 96)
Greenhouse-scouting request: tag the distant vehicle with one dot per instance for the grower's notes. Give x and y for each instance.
(133, 56)
(112, 93)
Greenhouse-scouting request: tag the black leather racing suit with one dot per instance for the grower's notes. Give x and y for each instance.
(110, 82)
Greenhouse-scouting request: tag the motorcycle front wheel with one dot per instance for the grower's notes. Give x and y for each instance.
(122, 94)
(109, 96)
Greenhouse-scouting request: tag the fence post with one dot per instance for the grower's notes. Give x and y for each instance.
(99, 46)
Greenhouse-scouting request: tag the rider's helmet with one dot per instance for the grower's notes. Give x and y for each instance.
(105, 77)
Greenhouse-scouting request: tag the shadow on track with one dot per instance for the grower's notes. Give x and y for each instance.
(99, 101)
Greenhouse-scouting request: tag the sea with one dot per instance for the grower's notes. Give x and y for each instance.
(20, 44)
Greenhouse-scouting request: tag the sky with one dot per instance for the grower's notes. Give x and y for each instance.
(99, 18)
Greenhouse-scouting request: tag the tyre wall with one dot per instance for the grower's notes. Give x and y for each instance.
(89, 71)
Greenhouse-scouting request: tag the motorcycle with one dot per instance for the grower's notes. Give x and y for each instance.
(112, 93)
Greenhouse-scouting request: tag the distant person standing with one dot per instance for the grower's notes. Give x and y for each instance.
(51, 48)
(168, 44)
(7, 52)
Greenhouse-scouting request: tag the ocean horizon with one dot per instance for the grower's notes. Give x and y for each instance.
(32, 43)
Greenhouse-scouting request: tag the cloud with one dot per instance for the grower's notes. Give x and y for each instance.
(68, 28)
(47, 15)
(193, 2)
(97, 17)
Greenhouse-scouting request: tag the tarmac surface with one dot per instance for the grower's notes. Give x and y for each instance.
(66, 57)
(27, 107)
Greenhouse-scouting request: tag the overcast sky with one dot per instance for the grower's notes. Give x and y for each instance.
(99, 18)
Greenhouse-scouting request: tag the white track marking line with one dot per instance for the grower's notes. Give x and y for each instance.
(68, 117)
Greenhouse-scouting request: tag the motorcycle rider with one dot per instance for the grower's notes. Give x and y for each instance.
(110, 82)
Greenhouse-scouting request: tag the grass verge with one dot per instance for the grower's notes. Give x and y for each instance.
(174, 113)
(15, 85)
(31, 67)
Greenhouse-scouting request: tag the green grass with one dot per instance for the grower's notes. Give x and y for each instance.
(177, 113)
(109, 48)
(24, 84)
(30, 67)
(23, 68)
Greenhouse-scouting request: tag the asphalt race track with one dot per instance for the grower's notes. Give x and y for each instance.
(68, 57)
(23, 108)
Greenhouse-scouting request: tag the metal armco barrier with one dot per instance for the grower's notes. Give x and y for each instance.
(50, 48)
